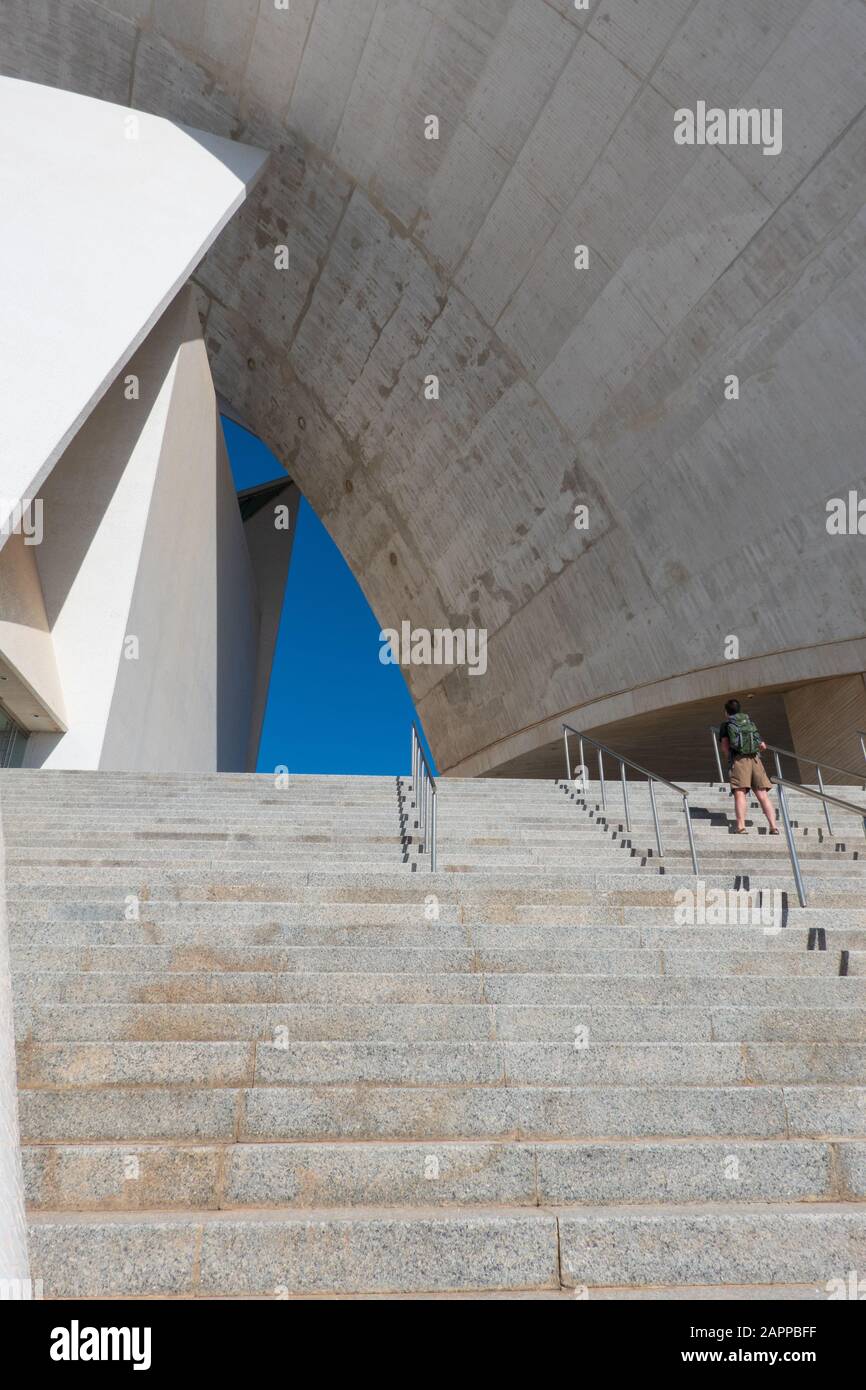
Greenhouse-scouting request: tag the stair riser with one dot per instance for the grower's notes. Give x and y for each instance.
(156, 960)
(301, 1176)
(444, 1022)
(41, 992)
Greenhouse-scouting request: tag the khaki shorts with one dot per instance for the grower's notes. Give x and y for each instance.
(747, 774)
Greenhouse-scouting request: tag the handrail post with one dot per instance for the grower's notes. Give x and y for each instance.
(567, 757)
(652, 792)
(826, 807)
(863, 745)
(714, 737)
(424, 794)
(652, 778)
(625, 797)
(691, 835)
(792, 848)
(424, 798)
(582, 764)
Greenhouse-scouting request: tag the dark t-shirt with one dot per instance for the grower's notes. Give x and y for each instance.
(723, 733)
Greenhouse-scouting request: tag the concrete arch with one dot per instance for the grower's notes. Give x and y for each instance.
(559, 387)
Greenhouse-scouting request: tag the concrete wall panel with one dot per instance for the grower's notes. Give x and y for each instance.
(824, 720)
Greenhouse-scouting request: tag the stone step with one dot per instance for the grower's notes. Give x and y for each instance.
(556, 840)
(388, 856)
(214, 935)
(330, 986)
(539, 908)
(622, 956)
(271, 1252)
(390, 851)
(712, 1244)
(681, 1293)
(456, 1022)
(520, 1060)
(526, 822)
(455, 1111)
(215, 944)
(107, 1177)
(26, 912)
(57, 841)
(267, 1252)
(720, 867)
(532, 976)
(539, 884)
(458, 1109)
(123, 824)
(619, 869)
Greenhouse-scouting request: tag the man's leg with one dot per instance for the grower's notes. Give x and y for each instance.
(766, 806)
(741, 801)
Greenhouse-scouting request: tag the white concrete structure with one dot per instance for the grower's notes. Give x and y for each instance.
(136, 628)
(146, 575)
(106, 212)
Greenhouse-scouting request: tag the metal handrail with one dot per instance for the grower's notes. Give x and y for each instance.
(861, 734)
(652, 778)
(424, 797)
(813, 762)
(781, 783)
(789, 753)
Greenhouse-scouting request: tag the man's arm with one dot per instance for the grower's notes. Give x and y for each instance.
(725, 745)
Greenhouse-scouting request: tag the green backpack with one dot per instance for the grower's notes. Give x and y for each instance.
(743, 736)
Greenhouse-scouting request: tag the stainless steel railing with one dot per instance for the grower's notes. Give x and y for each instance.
(861, 734)
(779, 753)
(652, 778)
(713, 728)
(781, 785)
(424, 798)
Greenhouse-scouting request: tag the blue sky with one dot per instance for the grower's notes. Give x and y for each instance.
(332, 706)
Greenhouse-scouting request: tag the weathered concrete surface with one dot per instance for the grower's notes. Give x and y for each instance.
(603, 386)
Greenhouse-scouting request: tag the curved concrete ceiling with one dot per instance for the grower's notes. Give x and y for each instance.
(602, 386)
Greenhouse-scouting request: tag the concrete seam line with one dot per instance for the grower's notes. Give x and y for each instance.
(14, 1264)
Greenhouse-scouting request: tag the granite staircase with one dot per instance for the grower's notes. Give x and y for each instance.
(264, 1053)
